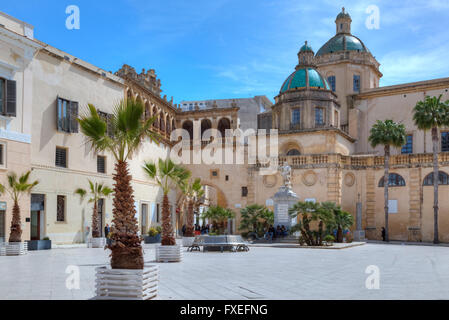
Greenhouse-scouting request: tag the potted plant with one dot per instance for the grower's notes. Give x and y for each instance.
(168, 176)
(44, 244)
(154, 235)
(16, 188)
(121, 134)
(97, 191)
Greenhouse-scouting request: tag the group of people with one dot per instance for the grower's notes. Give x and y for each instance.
(279, 231)
(199, 230)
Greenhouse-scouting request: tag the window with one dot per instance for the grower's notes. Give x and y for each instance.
(336, 122)
(408, 146)
(443, 179)
(331, 81)
(293, 152)
(319, 116)
(296, 116)
(157, 213)
(356, 83)
(8, 97)
(61, 157)
(107, 117)
(101, 164)
(67, 114)
(60, 209)
(227, 178)
(244, 191)
(2, 155)
(445, 141)
(394, 180)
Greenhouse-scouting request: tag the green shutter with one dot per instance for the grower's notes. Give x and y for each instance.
(11, 98)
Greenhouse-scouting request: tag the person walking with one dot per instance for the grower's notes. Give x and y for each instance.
(383, 234)
(107, 229)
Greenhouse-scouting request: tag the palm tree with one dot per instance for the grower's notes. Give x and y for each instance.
(167, 175)
(387, 133)
(122, 135)
(97, 191)
(255, 218)
(433, 114)
(219, 217)
(342, 220)
(193, 191)
(15, 189)
(310, 212)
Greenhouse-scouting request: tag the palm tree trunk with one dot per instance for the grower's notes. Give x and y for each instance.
(95, 231)
(386, 182)
(435, 184)
(190, 227)
(339, 234)
(167, 230)
(16, 229)
(126, 244)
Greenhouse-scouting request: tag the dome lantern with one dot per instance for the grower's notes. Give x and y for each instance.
(343, 22)
(306, 56)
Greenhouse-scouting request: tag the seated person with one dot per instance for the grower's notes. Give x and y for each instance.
(278, 231)
(269, 234)
(284, 231)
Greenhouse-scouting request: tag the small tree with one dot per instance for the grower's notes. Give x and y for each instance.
(16, 188)
(255, 218)
(433, 114)
(193, 191)
(97, 191)
(387, 133)
(310, 212)
(167, 175)
(219, 217)
(341, 221)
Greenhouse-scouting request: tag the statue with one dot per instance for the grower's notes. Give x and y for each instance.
(286, 172)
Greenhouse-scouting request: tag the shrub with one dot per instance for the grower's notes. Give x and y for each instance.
(152, 232)
(46, 238)
(329, 238)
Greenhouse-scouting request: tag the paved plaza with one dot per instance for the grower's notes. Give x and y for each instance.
(406, 272)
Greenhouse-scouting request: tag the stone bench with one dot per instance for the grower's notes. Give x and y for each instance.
(228, 242)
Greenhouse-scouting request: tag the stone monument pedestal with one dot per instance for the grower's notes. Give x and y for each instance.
(283, 200)
(359, 233)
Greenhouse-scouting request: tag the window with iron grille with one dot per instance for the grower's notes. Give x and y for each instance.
(101, 164)
(331, 81)
(408, 146)
(356, 83)
(244, 191)
(60, 209)
(319, 116)
(445, 141)
(2, 154)
(296, 116)
(61, 157)
(8, 97)
(394, 180)
(443, 179)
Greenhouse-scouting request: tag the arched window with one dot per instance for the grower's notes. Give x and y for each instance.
(443, 179)
(293, 152)
(223, 125)
(188, 126)
(205, 125)
(332, 82)
(394, 180)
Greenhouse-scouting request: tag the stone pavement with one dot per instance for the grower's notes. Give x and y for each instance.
(406, 272)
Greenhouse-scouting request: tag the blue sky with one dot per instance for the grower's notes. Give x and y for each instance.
(212, 49)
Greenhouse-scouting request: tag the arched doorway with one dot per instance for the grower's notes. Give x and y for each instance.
(188, 126)
(223, 125)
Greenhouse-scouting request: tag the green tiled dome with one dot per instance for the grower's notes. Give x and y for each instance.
(342, 42)
(298, 79)
(305, 48)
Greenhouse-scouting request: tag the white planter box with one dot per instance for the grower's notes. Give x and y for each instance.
(96, 243)
(16, 248)
(187, 241)
(126, 284)
(168, 253)
(2, 249)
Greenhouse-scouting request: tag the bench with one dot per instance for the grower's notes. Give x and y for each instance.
(228, 242)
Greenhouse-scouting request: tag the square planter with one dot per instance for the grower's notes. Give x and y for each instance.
(96, 243)
(39, 245)
(126, 284)
(168, 253)
(2, 249)
(155, 239)
(187, 241)
(16, 248)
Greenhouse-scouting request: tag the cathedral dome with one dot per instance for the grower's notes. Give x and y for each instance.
(342, 42)
(304, 77)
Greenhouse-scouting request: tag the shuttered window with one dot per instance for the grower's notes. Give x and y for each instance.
(8, 97)
(67, 114)
(61, 157)
(60, 209)
(101, 164)
(2, 155)
(244, 191)
(107, 117)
